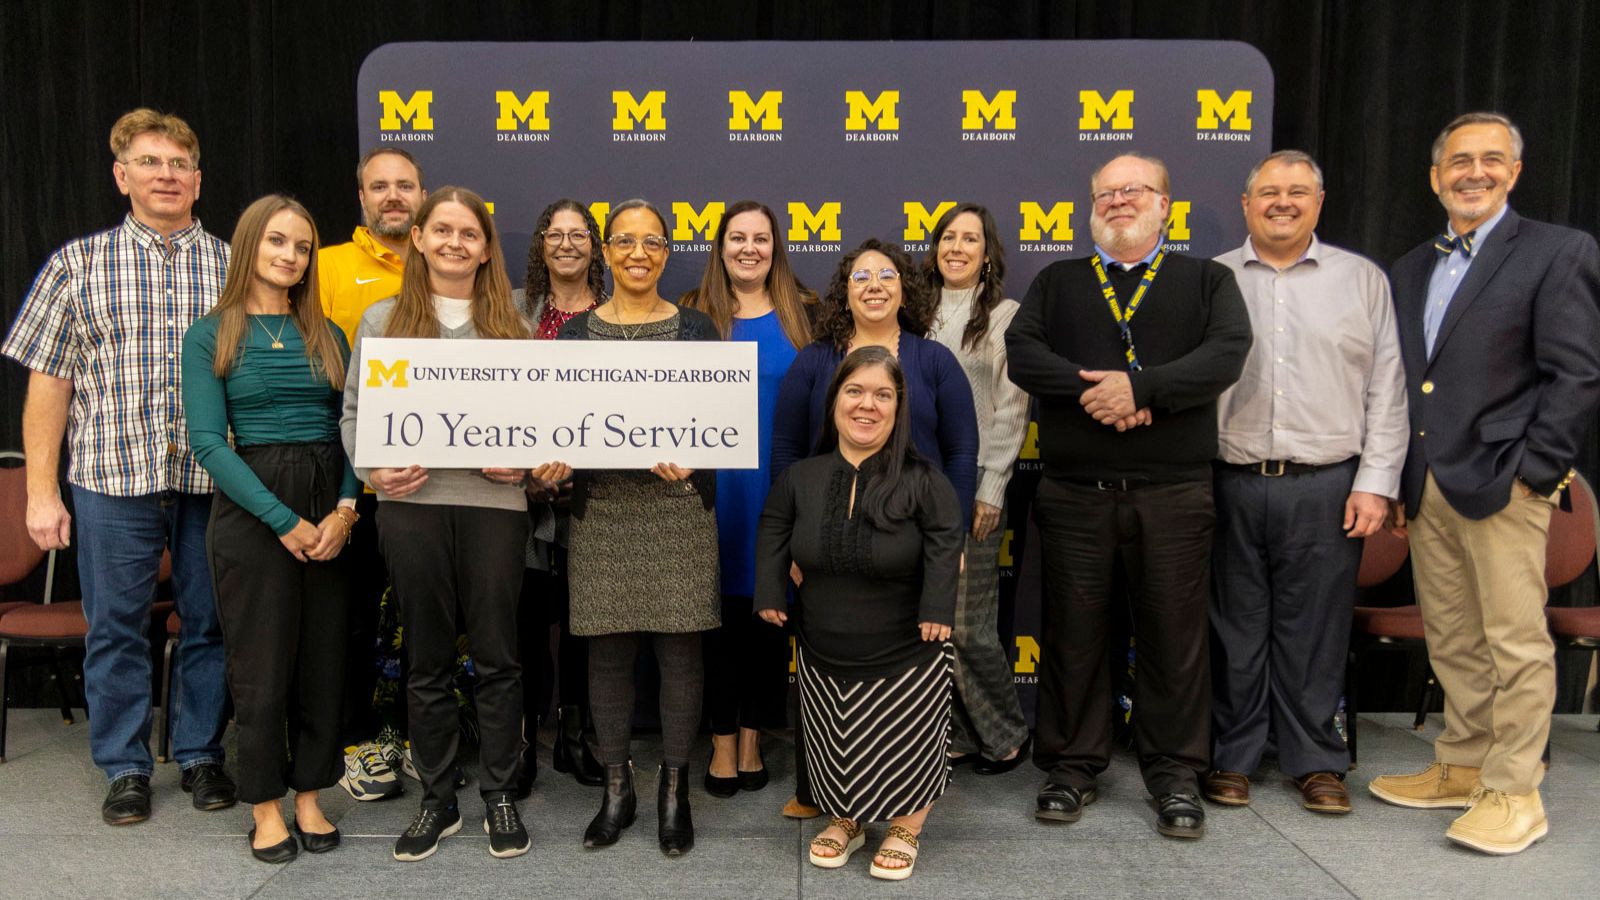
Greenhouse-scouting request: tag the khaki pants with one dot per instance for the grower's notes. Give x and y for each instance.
(1481, 587)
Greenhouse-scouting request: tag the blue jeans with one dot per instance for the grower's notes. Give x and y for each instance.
(120, 540)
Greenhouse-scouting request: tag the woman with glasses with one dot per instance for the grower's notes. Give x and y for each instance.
(453, 539)
(967, 264)
(565, 278)
(751, 294)
(878, 298)
(643, 557)
(876, 530)
(266, 366)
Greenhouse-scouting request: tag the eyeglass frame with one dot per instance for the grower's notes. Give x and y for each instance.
(614, 241)
(1104, 198)
(149, 162)
(562, 237)
(871, 276)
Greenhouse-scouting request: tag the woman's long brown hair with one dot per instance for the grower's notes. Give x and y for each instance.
(794, 304)
(305, 307)
(493, 313)
(991, 284)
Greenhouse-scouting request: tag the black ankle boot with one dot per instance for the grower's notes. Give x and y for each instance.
(672, 805)
(616, 808)
(572, 754)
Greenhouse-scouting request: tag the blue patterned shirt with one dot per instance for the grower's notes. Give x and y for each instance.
(108, 312)
(1448, 273)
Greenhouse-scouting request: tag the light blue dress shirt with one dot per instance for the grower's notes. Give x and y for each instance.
(1107, 260)
(1448, 273)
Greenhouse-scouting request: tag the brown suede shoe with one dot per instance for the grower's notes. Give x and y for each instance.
(1323, 792)
(1226, 788)
(794, 809)
(1499, 823)
(1439, 786)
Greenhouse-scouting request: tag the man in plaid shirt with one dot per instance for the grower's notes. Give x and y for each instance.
(101, 333)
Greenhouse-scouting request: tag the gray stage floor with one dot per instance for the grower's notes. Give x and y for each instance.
(981, 840)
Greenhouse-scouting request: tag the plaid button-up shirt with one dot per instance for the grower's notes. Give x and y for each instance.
(108, 312)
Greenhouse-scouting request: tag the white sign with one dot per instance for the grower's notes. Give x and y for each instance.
(468, 404)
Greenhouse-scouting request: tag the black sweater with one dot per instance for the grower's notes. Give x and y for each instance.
(1191, 332)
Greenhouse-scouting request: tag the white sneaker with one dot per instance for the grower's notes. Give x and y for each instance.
(367, 775)
(398, 756)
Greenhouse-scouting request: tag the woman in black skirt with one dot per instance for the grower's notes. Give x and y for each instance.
(877, 530)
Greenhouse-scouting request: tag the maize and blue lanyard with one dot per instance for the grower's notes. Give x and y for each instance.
(1122, 316)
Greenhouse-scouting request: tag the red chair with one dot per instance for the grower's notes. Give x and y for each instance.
(19, 557)
(1378, 627)
(1567, 557)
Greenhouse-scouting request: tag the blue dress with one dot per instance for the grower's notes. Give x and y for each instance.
(741, 493)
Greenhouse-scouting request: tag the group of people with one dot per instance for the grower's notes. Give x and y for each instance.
(1217, 437)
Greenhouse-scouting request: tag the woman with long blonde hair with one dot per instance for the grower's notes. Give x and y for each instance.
(453, 538)
(266, 364)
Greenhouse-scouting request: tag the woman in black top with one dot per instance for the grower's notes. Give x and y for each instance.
(877, 529)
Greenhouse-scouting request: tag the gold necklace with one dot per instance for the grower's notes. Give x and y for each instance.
(636, 328)
(277, 339)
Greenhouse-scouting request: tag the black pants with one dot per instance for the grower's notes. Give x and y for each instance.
(1162, 535)
(611, 692)
(283, 626)
(369, 578)
(564, 677)
(443, 558)
(747, 670)
(1285, 589)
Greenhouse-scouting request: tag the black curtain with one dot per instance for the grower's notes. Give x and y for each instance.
(269, 86)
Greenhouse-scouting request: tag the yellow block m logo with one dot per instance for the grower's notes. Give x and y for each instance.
(687, 220)
(1027, 655)
(1035, 220)
(1178, 221)
(919, 221)
(532, 111)
(1236, 109)
(378, 373)
(414, 111)
(631, 111)
(745, 110)
(999, 111)
(824, 223)
(1096, 110)
(881, 110)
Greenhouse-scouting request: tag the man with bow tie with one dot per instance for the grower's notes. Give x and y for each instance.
(1500, 335)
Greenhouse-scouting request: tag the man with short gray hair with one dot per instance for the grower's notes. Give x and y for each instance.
(1310, 444)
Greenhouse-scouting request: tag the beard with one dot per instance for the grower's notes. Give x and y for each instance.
(375, 224)
(1120, 238)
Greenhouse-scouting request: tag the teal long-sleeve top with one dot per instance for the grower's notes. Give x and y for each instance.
(270, 397)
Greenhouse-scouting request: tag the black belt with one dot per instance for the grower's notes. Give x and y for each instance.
(1111, 484)
(1276, 468)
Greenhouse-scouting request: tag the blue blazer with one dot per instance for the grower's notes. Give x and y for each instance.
(1514, 380)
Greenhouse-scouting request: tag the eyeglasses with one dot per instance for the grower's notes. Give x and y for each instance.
(557, 238)
(885, 276)
(624, 243)
(181, 165)
(1130, 192)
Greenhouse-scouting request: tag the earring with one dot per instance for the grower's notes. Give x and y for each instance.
(985, 273)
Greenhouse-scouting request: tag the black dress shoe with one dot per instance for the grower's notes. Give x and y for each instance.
(210, 787)
(718, 786)
(616, 808)
(676, 833)
(127, 800)
(987, 766)
(317, 843)
(281, 852)
(1061, 802)
(572, 754)
(1180, 816)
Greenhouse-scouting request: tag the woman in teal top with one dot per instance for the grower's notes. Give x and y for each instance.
(266, 364)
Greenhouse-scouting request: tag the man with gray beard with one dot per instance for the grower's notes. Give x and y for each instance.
(1127, 351)
(351, 277)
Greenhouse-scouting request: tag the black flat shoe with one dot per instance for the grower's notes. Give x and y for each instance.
(676, 834)
(317, 843)
(616, 808)
(987, 766)
(127, 800)
(281, 852)
(753, 781)
(716, 785)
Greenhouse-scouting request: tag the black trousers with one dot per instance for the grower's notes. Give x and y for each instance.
(747, 670)
(283, 626)
(565, 676)
(1285, 589)
(369, 578)
(445, 558)
(1162, 535)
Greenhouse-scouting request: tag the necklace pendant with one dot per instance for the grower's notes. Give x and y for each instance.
(277, 345)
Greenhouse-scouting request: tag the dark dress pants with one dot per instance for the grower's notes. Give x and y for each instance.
(1162, 535)
(444, 558)
(369, 579)
(1285, 589)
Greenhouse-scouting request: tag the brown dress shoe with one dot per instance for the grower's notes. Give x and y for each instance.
(1323, 792)
(1226, 788)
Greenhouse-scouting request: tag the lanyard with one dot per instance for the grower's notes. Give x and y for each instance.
(1122, 316)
